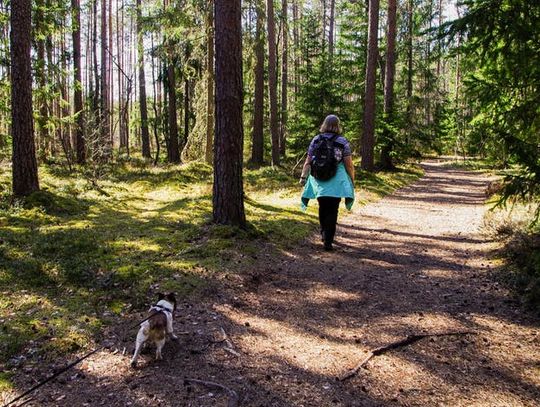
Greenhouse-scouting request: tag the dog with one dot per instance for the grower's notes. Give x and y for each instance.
(157, 326)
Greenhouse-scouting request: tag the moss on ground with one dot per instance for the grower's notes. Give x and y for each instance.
(80, 253)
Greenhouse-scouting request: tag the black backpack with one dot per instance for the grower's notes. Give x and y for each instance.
(324, 162)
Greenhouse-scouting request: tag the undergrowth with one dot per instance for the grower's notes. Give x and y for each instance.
(82, 253)
(520, 251)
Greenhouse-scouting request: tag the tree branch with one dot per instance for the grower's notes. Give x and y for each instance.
(409, 340)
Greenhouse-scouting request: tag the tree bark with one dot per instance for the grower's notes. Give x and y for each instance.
(284, 78)
(296, 46)
(173, 148)
(80, 145)
(210, 83)
(228, 194)
(257, 136)
(104, 145)
(272, 81)
(390, 71)
(43, 138)
(187, 113)
(145, 135)
(25, 172)
(331, 29)
(410, 21)
(368, 136)
(97, 84)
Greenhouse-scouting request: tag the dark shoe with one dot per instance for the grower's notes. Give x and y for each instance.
(328, 247)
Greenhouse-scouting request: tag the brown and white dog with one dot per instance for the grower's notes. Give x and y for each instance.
(157, 326)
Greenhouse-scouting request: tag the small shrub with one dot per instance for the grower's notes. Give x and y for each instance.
(521, 250)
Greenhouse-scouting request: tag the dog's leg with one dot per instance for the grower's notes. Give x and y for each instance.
(141, 338)
(159, 346)
(170, 330)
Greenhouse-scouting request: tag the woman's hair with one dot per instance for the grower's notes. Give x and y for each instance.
(331, 125)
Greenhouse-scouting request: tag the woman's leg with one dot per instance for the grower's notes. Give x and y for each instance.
(328, 214)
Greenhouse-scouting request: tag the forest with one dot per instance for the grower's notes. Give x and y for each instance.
(115, 79)
(151, 145)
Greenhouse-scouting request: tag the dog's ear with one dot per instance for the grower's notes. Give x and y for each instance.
(160, 296)
(171, 298)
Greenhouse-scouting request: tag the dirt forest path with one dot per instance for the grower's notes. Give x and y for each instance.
(412, 263)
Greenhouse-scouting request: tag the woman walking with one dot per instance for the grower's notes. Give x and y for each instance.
(328, 175)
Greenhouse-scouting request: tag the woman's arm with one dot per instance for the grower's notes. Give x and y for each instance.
(349, 166)
(305, 170)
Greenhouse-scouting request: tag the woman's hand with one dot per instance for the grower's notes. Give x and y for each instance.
(349, 166)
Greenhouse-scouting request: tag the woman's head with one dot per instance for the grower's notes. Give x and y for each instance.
(331, 125)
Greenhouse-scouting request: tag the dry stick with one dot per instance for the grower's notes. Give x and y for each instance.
(233, 396)
(298, 163)
(395, 345)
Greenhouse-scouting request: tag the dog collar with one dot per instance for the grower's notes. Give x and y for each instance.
(164, 308)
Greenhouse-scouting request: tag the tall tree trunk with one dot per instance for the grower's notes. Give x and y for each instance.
(80, 145)
(368, 136)
(439, 41)
(257, 136)
(284, 78)
(323, 7)
(155, 106)
(25, 171)
(173, 148)
(459, 117)
(41, 76)
(110, 80)
(210, 82)
(104, 146)
(272, 81)
(331, 29)
(296, 46)
(410, 21)
(228, 196)
(121, 73)
(390, 71)
(145, 135)
(97, 81)
(187, 113)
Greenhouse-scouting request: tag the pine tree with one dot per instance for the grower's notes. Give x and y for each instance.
(145, 134)
(25, 172)
(228, 196)
(368, 135)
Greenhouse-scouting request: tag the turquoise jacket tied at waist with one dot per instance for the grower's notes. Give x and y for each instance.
(339, 186)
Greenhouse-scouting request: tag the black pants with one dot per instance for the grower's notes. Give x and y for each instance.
(328, 214)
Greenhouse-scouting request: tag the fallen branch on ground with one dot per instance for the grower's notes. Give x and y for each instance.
(395, 345)
(233, 396)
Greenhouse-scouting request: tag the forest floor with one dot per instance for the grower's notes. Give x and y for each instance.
(283, 329)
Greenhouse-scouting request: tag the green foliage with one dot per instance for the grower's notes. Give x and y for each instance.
(503, 39)
(5, 382)
(523, 251)
(329, 85)
(520, 251)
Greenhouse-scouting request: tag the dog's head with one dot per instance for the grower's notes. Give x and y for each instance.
(170, 298)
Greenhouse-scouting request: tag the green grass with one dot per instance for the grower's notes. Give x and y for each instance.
(76, 256)
(471, 164)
